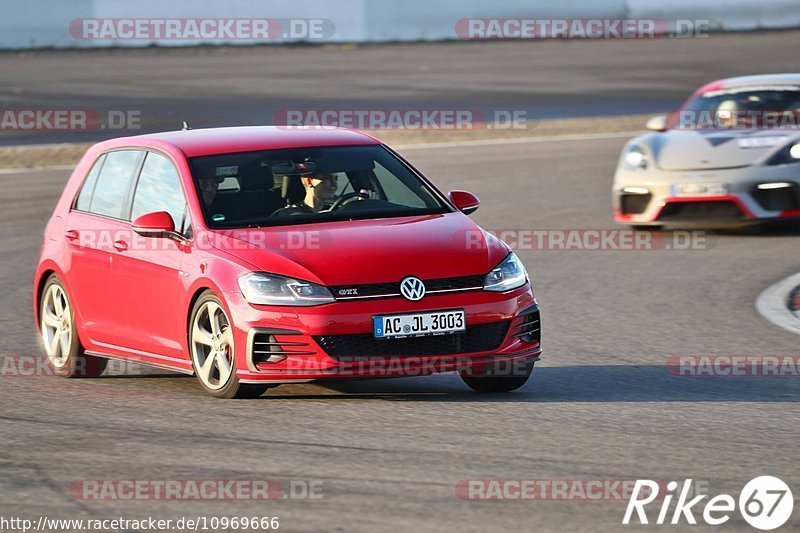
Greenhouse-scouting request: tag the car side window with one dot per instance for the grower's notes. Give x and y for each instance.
(159, 189)
(87, 189)
(113, 183)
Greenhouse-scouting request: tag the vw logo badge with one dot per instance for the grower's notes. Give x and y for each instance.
(412, 288)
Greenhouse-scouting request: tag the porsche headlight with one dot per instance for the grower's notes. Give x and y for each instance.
(635, 158)
(786, 156)
(269, 289)
(509, 274)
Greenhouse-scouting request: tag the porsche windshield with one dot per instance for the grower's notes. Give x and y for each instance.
(745, 107)
(281, 187)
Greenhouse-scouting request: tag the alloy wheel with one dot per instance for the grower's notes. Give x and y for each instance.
(57, 326)
(212, 345)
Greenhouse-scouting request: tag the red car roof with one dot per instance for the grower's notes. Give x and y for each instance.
(211, 141)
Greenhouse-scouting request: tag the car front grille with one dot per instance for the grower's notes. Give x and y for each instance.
(693, 211)
(477, 338)
(432, 286)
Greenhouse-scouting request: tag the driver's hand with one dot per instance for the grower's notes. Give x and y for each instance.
(370, 194)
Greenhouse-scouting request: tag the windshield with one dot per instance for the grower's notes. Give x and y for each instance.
(303, 185)
(743, 107)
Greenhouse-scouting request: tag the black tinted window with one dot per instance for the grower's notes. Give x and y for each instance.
(85, 196)
(159, 189)
(114, 182)
(743, 107)
(323, 184)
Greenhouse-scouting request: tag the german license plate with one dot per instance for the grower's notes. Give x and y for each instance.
(419, 324)
(699, 189)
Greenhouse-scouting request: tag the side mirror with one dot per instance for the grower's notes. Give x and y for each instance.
(466, 202)
(158, 224)
(657, 123)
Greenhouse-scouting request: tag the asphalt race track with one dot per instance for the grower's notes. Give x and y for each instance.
(229, 86)
(389, 453)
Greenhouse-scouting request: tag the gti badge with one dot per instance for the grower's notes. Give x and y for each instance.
(348, 292)
(412, 288)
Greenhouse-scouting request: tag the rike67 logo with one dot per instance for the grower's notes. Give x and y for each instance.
(765, 503)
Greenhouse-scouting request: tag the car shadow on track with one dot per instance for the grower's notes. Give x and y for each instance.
(549, 384)
(579, 384)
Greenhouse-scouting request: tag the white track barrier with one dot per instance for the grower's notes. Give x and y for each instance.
(46, 23)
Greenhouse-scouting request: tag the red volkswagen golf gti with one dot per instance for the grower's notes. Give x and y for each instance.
(256, 256)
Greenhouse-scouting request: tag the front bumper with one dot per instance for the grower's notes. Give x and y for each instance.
(648, 197)
(283, 345)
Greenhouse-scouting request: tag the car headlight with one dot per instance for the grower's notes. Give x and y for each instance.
(269, 289)
(635, 158)
(786, 156)
(509, 274)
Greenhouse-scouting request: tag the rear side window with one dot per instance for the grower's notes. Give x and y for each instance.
(85, 196)
(159, 189)
(113, 183)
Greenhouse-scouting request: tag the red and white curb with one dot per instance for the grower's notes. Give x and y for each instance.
(774, 304)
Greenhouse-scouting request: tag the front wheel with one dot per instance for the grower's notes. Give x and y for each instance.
(211, 346)
(60, 336)
(499, 379)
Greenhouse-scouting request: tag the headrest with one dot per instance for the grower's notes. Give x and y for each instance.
(292, 190)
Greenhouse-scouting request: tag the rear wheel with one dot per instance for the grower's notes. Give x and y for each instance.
(60, 337)
(212, 350)
(499, 379)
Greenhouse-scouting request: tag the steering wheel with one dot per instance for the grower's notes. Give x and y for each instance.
(345, 199)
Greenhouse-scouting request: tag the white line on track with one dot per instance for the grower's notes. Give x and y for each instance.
(30, 170)
(772, 304)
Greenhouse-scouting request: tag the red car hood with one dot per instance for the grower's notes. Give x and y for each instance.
(368, 251)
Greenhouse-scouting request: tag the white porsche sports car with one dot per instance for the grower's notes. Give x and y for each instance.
(730, 156)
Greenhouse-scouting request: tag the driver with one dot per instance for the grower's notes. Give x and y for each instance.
(727, 114)
(208, 187)
(319, 188)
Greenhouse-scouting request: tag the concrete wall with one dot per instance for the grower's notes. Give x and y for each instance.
(46, 23)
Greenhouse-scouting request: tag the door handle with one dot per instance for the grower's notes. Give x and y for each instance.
(71, 234)
(121, 246)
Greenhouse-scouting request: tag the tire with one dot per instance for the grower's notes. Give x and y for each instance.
(211, 347)
(59, 335)
(491, 382)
